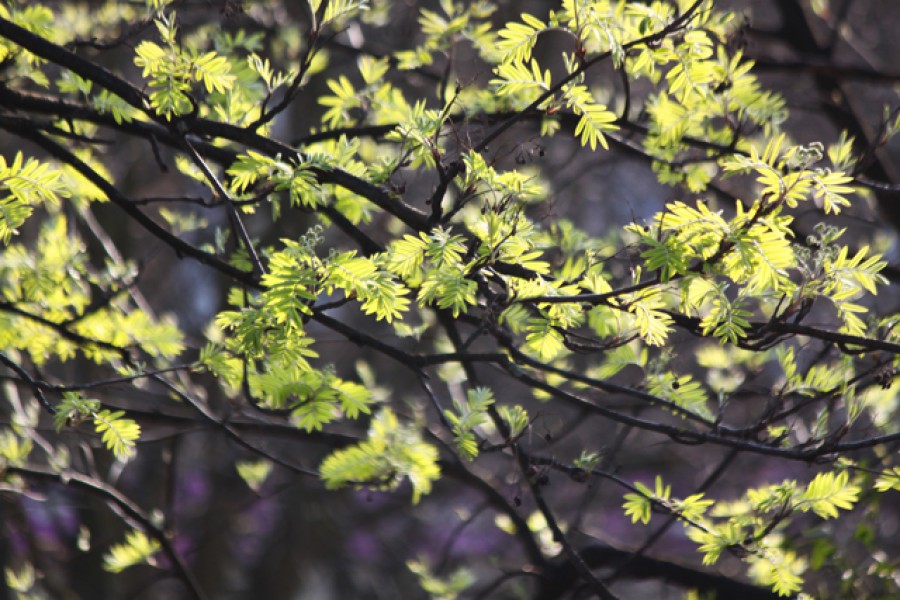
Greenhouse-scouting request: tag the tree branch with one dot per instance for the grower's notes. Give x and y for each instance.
(79, 481)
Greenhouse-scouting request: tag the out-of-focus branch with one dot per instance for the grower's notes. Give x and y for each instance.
(122, 503)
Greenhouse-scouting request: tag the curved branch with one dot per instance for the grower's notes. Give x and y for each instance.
(21, 128)
(35, 385)
(643, 567)
(80, 481)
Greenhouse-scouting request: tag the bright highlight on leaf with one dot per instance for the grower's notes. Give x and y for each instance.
(136, 549)
(117, 433)
(595, 118)
(466, 417)
(24, 184)
(518, 39)
(828, 492)
(393, 452)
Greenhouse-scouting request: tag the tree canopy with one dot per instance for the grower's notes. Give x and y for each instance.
(473, 298)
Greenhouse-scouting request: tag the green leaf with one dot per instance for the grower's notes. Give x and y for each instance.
(449, 288)
(517, 39)
(618, 358)
(595, 119)
(117, 433)
(828, 492)
(343, 100)
(682, 390)
(360, 278)
(779, 569)
(254, 473)
(516, 419)
(391, 453)
(652, 323)
(516, 78)
(14, 449)
(441, 588)
(466, 417)
(888, 480)
(137, 549)
(638, 507)
(214, 71)
(73, 409)
(543, 339)
(405, 256)
(23, 184)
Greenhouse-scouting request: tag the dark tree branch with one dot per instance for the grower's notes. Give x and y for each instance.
(574, 558)
(813, 454)
(643, 567)
(71, 61)
(818, 66)
(229, 430)
(35, 385)
(236, 222)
